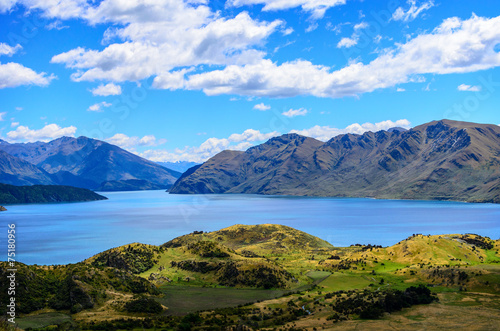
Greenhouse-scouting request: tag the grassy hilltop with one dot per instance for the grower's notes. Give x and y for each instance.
(266, 277)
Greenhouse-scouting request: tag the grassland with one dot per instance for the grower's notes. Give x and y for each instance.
(270, 276)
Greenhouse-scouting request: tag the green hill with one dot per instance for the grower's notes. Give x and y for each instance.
(266, 276)
(259, 239)
(10, 194)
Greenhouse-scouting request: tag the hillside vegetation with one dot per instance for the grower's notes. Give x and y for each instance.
(268, 276)
(10, 194)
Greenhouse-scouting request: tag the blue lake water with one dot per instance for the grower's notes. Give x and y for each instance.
(71, 232)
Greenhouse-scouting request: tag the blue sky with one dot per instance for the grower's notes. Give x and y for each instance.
(182, 80)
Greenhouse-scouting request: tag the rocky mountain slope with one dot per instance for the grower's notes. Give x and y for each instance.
(15, 171)
(442, 160)
(81, 162)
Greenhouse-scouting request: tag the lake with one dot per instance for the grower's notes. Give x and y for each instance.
(72, 232)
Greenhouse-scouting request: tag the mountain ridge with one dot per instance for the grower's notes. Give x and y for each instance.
(81, 162)
(439, 160)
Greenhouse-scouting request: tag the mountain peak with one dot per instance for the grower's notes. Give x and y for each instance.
(442, 160)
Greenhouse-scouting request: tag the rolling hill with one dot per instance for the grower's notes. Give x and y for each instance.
(440, 160)
(267, 276)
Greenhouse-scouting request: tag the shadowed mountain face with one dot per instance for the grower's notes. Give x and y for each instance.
(87, 163)
(15, 171)
(444, 160)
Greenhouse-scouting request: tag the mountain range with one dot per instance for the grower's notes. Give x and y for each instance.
(80, 162)
(179, 166)
(440, 160)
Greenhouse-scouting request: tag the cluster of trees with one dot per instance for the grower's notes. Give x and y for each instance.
(134, 258)
(72, 287)
(143, 304)
(207, 249)
(372, 305)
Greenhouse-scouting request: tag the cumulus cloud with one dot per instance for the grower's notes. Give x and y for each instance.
(9, 50)
(98, 107)
(412, 12)
(210, 147)
(2, 116)
(106, 90)
(47, 133)
(317, 8)
(455, 46)
(262, 107)
(131, 143)
(14, 124)
(469, 88)
(155, 38)
(15, 74)
(295, 112)
(325, 133)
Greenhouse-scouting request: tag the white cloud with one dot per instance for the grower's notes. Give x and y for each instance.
(131, 143)
(2, 116)
(295, 112)
(347, 42)
(14, 124)
(317, 8)
(47, 133)
(287, 31)
(412, 12)
(455, 46)
(6, 5)
(325, 133)
(106, 90)
(56, 25)
(469, 88)
(400, 89)
(159, 36)
(14, 75)
(313, 26)
(7, 49)
(359, 26)
(173, 80)
(262, 107)
(210, 147)
(97, 107)
(251, 135)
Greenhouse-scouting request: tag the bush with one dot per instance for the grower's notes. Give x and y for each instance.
(144, 305)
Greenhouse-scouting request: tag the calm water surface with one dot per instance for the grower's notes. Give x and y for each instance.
(71, 232)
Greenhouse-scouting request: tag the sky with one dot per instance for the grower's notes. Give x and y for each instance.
(181, 80)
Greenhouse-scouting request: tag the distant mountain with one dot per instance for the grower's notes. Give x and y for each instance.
(130, 185)
(397, 128)
(442, 160)
(15, 171)
(179, 166)
(10, 194)
(85, 162)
